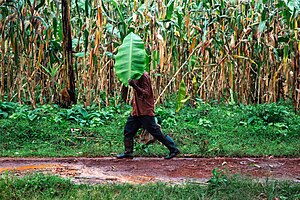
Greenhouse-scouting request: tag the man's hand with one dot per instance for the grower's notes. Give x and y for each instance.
(137, 89)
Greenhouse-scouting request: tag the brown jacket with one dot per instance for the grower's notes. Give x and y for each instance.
(143, 104)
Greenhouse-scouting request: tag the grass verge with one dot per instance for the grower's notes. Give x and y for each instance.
(40, 186)
(205, 130)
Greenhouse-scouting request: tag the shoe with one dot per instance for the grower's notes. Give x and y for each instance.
(123, 155)
(172, 154)
(170, 144)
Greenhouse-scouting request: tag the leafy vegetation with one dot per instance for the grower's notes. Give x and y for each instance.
(51, 187)
(202, 130)
(235, 51)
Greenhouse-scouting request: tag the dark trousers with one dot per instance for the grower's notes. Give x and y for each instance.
(147, 122)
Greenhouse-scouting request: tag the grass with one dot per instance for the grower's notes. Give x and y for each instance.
(39, 186)
(205, 130)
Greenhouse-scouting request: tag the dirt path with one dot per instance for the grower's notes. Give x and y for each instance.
(146, 170)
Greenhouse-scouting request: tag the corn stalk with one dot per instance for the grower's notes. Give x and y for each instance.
(230, 51)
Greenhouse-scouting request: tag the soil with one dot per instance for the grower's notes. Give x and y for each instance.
(142, 170)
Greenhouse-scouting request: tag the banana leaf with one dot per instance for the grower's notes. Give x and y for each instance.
(130, 59)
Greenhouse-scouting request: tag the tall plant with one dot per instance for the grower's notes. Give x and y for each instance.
(231, 51)
(68, 71)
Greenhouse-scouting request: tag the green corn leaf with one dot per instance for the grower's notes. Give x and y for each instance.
(155, 59)
(60, 32)
(180, 15)
(285, 53)
(181, 96)
(40, 5)
(54, 26)
(86, 8)
(261, 26)
(117, 7)
(130, 59)
(86, 39)
(170, 10)
(79, 54)
(205, 31)
(192, 62)
(264, 15)
(294, 6)
(42, 20)
(148, 62)
(185, 100)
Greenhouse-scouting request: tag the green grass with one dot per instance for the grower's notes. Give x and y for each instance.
(39, 186)
(205, 130)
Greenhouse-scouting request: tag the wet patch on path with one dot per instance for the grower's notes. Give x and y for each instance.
(142, 170)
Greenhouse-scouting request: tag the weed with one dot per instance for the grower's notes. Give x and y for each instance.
(219, 179)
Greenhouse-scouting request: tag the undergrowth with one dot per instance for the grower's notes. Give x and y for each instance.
(204, 130)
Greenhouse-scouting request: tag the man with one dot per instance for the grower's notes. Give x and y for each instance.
(143, 115)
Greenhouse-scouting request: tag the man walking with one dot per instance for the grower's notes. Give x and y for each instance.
(143, 115)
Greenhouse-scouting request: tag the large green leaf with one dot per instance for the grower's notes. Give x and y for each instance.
(130, 59)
